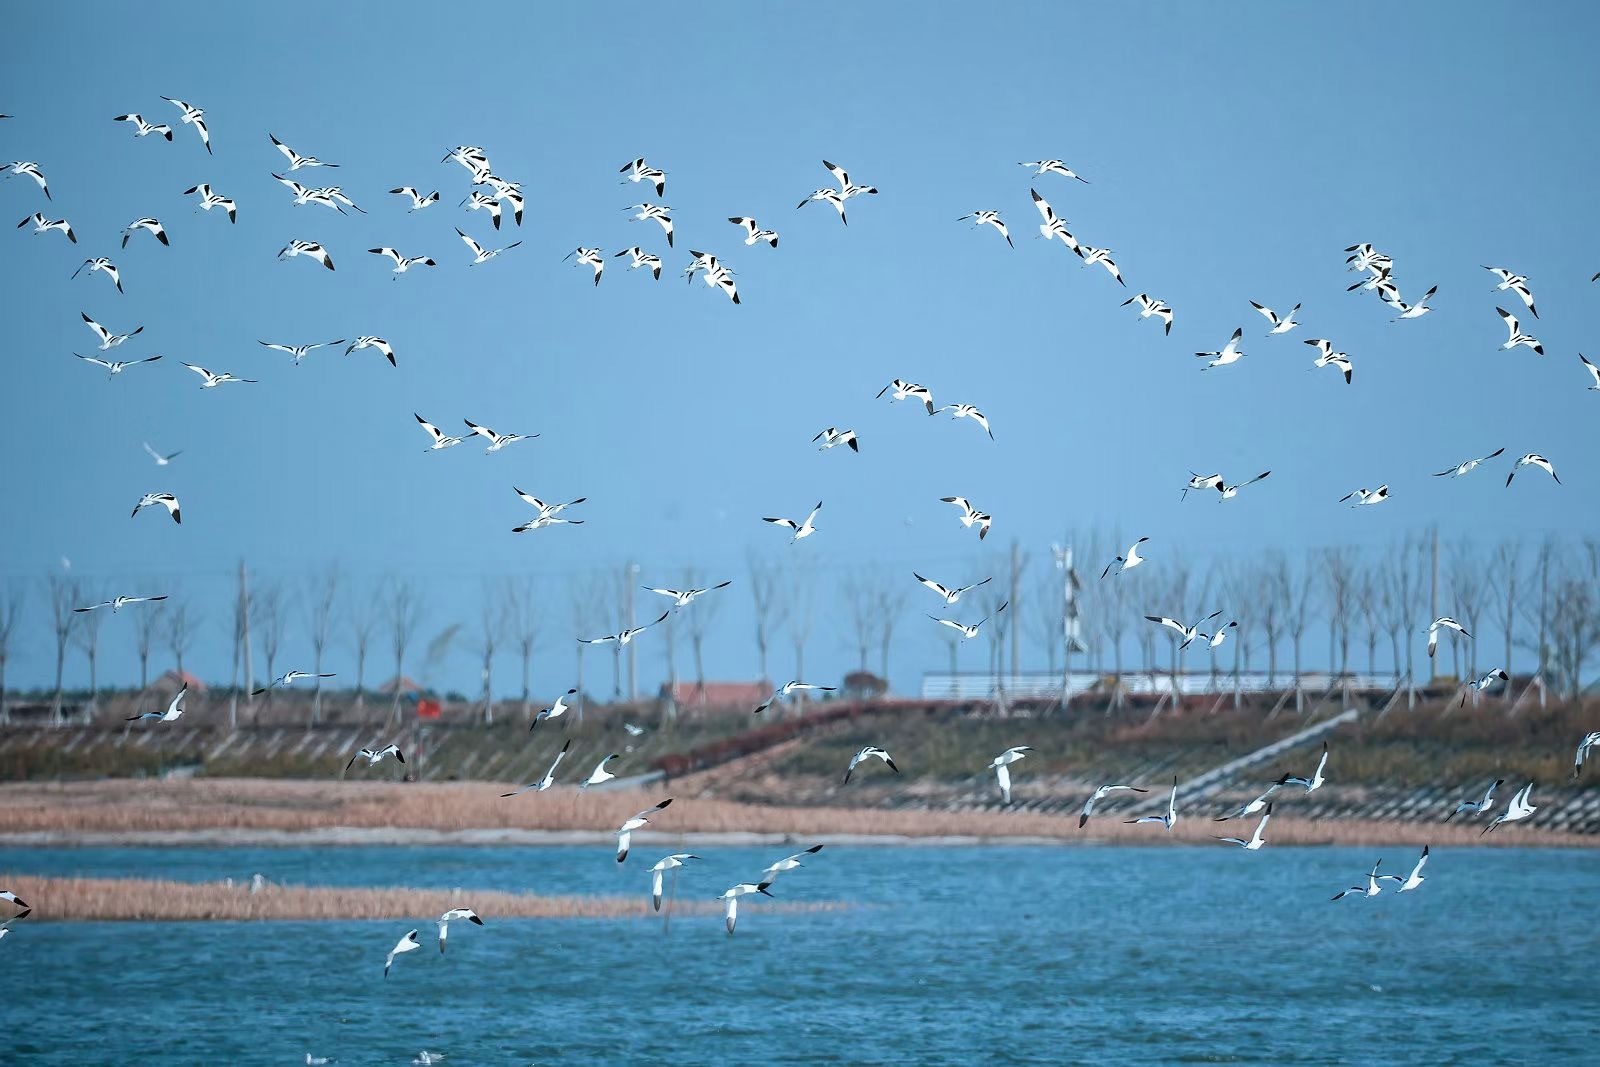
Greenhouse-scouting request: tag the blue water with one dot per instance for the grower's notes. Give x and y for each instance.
(950, 956)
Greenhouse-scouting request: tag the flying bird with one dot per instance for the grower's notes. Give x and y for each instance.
(162, 460)
(212, 380)
(969, 632)
(374, 756)
(288, 679)
(418, 201)
(1128, 562)
(1327, 357)
(847, 188)
(116, 367)
(497, 441)
(149, 225)
(408, 943)
(970, 516)
(1484, 682)
(1414, 311)
(599, 774)
(1102, 256)
(1515, 336)
(1001, 765)
(1477, 807)
(1255, 841)
(625, 636)
(967, 411)
(141, 128)
(172, 714)
(660, 212)
(787, 688)
(904, 389)
(831, 437)
(299, 352)
(306, 248)
(1188, 633)
(1229, 353)
(1467, 466)
(373, 342)
(481, 254)
(801, 529)
(549, 778)
(554, 711)
(1371, 889)
(1052, 226)
(44, 225)
(753, 232)
(1533, 459)
(640, 171)
(641, 258)
(1053, 166)
(1168, 818)
(105, 266)
(451, 916)
(1315, 782)
(1260, 803)
(1149, 306)
(1412, 880)
(1100, 794)
(625, 831)
(732, 895)
(1280, 324)
(193, 116)
(440, 438)
(951, 596)
(1517, 810)
(682, 598)
(1444, 622)
(1517, 283)
(589, 257)
(1202, 481)
(107, 338)
(403, 263)
(1365, 497)
(116, 604)
(296, 160)
(989, 218)
(1231, 491)
(869, 752)
(827, 196)
(166, 500)
(668, 863)
(31, 170)
(209, 199)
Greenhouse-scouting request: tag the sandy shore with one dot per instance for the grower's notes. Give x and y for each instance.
(223, 812)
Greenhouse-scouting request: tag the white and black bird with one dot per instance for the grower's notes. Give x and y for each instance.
(193, 116)
(720, 277)
(440, 438)
(1255, 841)
(1188, 633)
(869, 752)
(115, 367)
(1367, 497)
(31, 170)
(640, 171)
(11, 898)
(1053, 226)
(1365, 257)
(847, 188)
(989, 218)
(1371, 889)
(827, 196)
(660, 867)
(1280, 324)
(44, 225)
(554, 711)
(497, 441)
(418, 201)
(1477, 807)
(1231, 491)
(1590, 741)
(788, 863)
(151, 226)
(1483, 682)
(408, 943)
(1100, 794)
(588, 257)
(103, 265)
(287, 679)
(296, 160)
(162, 459)
(600, 774)
(1517, 809)
(1149, 306)
(1594, 373)
(1202, 481)
(451, 916)
(373, 342)
(968, 411)
(549, 778)
(753, 232)
(682, 598)
(481, 254)
(403, 263)
(1515, 336)
(832, 436)
(784, 691)
(1091, 255)
(298, 352)
(1053, 166)
(1467, 466)
(1316, 781)
(1412, 880)
(210, 198)
(660, 212)
(212, 379)
(547, 509)
(304, 194)
(1214, 640)
(1517, 283)
(1229, 353)
(306, 248)
(1328, 357)
(908, 390)
(970, 516)
(1251, 807)
(173, 713)
(969, 632)
(1444, 622)
(165, 500)
(732, 895)
(544, 519)
(801, 529)
(624, 636)
(950, 595)
(1533, 459)
(1168, 818)
(116, 604)
(1001, 765)
(1127, 562)
(625, 831)
(641, 258)
(109, 340)
(1404, 310)
(141, 128)
(375, 756)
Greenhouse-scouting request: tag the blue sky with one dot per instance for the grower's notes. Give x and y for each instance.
(1232, 153)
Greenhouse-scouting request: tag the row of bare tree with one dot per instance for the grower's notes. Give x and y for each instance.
(1543, 600)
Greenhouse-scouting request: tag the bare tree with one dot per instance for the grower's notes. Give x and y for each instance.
(10, 611)
(1575, 633)
(361, 622)
(800, 619)
(1506, 565)
(267, 611)
(1339, 573)
(1466, 587)
(701, 614)
(86, 635)
(62, 592)
(765, 589)
(1369, 599)
(669, 648)
(1539, 612)
(322, 591)
(181, 626)
(1044, 619)
(856, 590)
(523, 607)
(493, 617)
(146, 625)
(1271, 603)
(1297, 592)
(404, 611)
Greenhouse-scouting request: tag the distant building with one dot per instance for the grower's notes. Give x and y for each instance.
(401, 684)
(713, 696)
(986, 686)
(176, 679)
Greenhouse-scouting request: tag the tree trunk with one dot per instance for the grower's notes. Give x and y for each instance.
(1299, 696)
(761, 656)
(527, 679)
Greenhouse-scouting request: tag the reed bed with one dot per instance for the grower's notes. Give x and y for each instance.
(144, 900)
(220, 806)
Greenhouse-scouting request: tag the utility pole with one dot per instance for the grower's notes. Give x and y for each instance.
(1016, 593)
(1069, 618)
(244, 630)
(1433, 601)
(633, 662)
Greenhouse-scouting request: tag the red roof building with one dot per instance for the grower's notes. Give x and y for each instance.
(715, 696)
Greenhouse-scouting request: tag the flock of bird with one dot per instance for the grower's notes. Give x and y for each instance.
(503, 200)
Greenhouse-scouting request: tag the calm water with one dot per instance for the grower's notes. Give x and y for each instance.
(952, 956)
